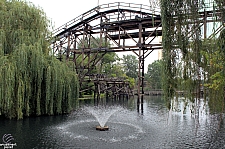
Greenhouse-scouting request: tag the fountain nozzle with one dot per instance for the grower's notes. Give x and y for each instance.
(100, 128)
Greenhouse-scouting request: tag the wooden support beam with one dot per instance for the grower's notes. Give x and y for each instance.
(125, 32)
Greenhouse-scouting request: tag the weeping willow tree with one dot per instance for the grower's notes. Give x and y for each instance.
(214, 57)
(188, 53)
(31, 81)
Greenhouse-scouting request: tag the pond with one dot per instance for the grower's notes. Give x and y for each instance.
(185, 125)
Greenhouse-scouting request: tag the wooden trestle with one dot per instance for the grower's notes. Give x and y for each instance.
(113, 87)
(127, 26)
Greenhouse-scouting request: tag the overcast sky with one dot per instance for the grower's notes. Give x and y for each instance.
(62, 11)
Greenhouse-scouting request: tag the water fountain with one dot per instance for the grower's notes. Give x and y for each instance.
(102, 115)
(155, 128)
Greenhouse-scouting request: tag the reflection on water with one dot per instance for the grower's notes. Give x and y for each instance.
(185, 125)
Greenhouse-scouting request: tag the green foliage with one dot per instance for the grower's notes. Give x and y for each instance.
(107, 61)
(22, 23)
(31, 81)
(189, 61)
(215, 66)
(168, 54)
(131, 82)
(130, 63)
(181, 43)
(109, 64)
(116, 70)
(154, 75)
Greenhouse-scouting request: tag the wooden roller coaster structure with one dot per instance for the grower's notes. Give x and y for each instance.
(129, 27)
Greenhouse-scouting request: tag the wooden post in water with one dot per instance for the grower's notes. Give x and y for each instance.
(139, 63)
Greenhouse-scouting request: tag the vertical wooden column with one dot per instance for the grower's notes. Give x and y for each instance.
(139, 64)
(75, 58)
(68, 49)
(60, 51)
(95, 92)
(89, 54)
(83, 46)
(107, 90)
(140, 67)
(101, 32)
(205, 24)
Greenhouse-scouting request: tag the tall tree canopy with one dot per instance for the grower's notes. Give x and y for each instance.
(130, 63)
(31, 81)
(154, 74)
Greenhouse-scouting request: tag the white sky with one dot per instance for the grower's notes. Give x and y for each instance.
(62, 11)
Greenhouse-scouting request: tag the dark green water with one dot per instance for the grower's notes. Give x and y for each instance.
(156, 127)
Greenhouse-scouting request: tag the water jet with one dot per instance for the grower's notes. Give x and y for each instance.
(102, 115)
